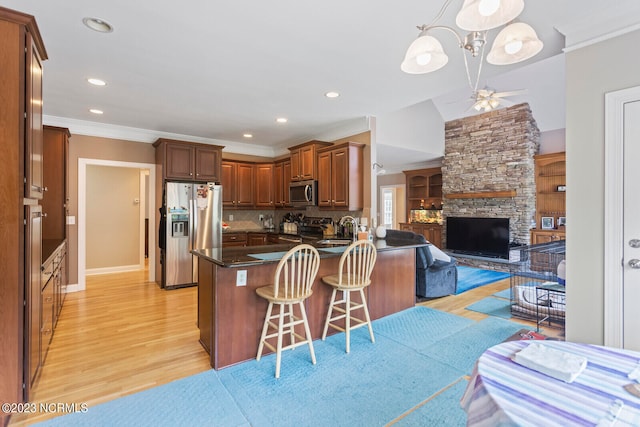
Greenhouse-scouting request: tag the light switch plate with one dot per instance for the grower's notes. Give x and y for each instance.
(71, 220)
(241, 278)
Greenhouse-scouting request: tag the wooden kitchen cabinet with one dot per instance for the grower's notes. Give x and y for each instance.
(237, 179)
(21, 181)
(188, 161)
(256, 239)
(340, 176)
(423, 185)
(281, 181)
(234, 239)
(431, 232)
(303, 160)
(546, 236)
(264, 185)
(54, 201)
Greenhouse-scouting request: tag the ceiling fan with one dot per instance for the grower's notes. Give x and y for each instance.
(488, 99)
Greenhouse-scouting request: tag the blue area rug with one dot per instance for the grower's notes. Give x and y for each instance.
(493, 307)
(442, 410)
(414, 373)
(469, 278)
(506, 294)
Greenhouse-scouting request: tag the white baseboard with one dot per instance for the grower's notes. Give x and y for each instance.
(116, 269)
(73, 288)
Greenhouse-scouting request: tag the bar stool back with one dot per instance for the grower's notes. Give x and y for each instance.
(292, 284)
(354, 274)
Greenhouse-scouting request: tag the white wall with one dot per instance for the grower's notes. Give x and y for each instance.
(591, 72)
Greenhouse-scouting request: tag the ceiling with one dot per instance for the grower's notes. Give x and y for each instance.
(213, 70)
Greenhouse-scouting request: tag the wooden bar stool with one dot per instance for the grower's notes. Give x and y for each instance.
(292, 284)
(354, 274)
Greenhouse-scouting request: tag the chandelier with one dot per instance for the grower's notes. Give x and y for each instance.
(515, 43)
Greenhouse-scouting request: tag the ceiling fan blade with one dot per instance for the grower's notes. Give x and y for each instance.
(510, 93)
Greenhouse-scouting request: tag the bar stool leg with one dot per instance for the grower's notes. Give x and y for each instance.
(347, 325)
(279, 345)
(265, 328)
(366, 314)
(326, 323)
(307, 332)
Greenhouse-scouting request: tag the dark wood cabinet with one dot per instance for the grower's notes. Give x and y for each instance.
(340, 176)
(21, 181)
(34, 185)
(54, 201)
(256, 239)
(424, 186)
(281, 181)
(237, 179)
(303, 160)
(188, 161)
(234, 239)
(431, 232)
(264, 185)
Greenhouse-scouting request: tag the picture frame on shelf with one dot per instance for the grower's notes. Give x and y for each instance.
(562, 221)
(546, 222)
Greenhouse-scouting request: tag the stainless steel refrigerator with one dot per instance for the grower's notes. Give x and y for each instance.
(193, 221)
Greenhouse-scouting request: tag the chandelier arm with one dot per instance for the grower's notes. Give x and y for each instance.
(440, 13)
(425, 28)
(479, 69)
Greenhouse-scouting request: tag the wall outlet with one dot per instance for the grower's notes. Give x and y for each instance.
(241, 278)
(260, 217)
(230, 217)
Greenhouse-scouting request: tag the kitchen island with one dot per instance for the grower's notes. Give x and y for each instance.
(231, 315)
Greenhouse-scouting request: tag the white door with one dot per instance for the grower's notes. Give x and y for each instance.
(631, 226)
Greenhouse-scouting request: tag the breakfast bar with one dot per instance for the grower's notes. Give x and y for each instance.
(231, 315)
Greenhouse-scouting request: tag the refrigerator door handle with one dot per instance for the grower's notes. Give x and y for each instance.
(193, 222)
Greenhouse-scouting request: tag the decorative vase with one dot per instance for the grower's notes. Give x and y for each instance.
(381, 232)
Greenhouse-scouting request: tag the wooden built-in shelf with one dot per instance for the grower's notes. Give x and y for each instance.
(482, 195)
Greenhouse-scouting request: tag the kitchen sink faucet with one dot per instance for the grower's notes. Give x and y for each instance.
(354, 225)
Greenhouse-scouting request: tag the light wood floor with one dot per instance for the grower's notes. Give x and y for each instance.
(124, 334)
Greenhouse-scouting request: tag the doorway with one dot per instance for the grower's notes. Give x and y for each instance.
(83, 189)
(622, 229)
(392, 206)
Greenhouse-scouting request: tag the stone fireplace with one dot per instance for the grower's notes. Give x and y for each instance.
(488, 168)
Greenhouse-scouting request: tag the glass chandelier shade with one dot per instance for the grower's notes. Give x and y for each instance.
(481, 15)
(424, 55)
(515, 43)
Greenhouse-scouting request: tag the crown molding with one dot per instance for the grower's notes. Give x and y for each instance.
(83, 127)
(588, 29)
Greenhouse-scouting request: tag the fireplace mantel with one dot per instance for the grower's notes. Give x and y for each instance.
(482, 195)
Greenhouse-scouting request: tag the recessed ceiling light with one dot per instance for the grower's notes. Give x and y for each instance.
(332, 94)
(96, 82)
(247, 135)
(282, 120)
(97, 24)
(96, 111)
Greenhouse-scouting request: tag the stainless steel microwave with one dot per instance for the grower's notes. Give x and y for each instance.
(303, 193)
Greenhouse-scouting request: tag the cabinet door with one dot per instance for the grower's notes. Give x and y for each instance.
(324, 179)
(340, 177)
(179, 163)
(47, 318)
(34, 186)
(244, 185)
(256, 239)
(295, 166)
(228, 181)
(264, 185)
(286, 174)
(207, 161)
(55, 165)
(279, 179)
(33, 287)
(307, 162)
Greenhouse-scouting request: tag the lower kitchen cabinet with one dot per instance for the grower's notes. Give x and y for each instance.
(546, 236)
(431, 232)
(234, 239)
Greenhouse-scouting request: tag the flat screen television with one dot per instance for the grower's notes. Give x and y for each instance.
(486, 237)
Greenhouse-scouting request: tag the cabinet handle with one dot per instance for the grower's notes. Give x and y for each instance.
(45, 189)
(44, 214)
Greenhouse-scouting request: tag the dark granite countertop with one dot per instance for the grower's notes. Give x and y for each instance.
(257, 255)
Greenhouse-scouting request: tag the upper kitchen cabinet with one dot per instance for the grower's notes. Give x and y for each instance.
(424, 188)
(237, 179)
(281, 180)
(303, 160)
(188, 161)
(340, 176)
(54, 202)
(264, 185)
(22, 53)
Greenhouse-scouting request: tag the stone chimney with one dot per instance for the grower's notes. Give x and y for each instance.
(489, 153)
